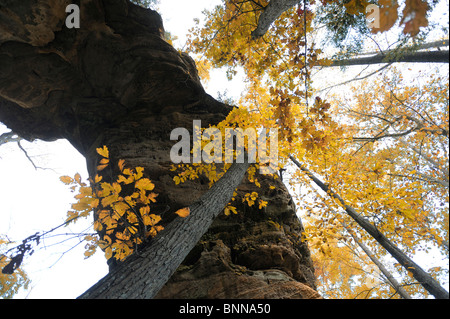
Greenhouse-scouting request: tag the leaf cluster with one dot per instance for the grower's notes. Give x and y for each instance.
(122, 216)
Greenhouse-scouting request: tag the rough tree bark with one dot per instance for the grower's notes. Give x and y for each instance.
(115, 81)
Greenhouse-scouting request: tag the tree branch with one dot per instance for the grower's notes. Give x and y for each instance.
(166, 252)
(426, 280)
(9, 137)
(411, 57)
(273, 10)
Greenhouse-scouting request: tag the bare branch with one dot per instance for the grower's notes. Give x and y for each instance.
(9, 137)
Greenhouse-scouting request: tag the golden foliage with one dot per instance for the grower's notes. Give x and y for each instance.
(122, 216)
(382, 149)
(10, 283)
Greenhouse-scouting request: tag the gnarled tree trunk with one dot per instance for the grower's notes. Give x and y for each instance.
(115, 81)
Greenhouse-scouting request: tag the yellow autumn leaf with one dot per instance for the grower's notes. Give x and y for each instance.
(126, 181)
(262, 203)
(80, 206)
(108, 252)
(144, 210)
(144, 184)
(103, 151)
(152, 197)
(183, 212)
(101, 167)
(151, 220)
(66, 180)
(117, 188)
(132, 218)
(229, 209)
(121, 164)
(109, 200)
(154, 231)
(71, 216)
(89, 253)
(127, 171)
(93, 202)
(139, 173)
(120, 208)
(132, 230)
(98, 226)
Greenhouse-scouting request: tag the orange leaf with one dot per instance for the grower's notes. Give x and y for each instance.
(386, 16)
(101, 167)
(66, 179)
(103, 151)
(183, 212)
(121, 164)
(414, 16)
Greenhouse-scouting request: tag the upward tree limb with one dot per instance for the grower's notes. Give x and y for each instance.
(273, 10)
(167, 251)
(425, 279)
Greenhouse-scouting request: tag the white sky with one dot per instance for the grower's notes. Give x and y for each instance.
(35, 200)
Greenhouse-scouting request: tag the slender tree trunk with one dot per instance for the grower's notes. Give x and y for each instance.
(425, 279)
(411, 57)
(393, 282)
(143, 275)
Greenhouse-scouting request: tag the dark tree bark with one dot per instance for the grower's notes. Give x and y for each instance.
(115, 81)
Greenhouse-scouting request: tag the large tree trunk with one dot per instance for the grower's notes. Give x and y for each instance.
(115, 81)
